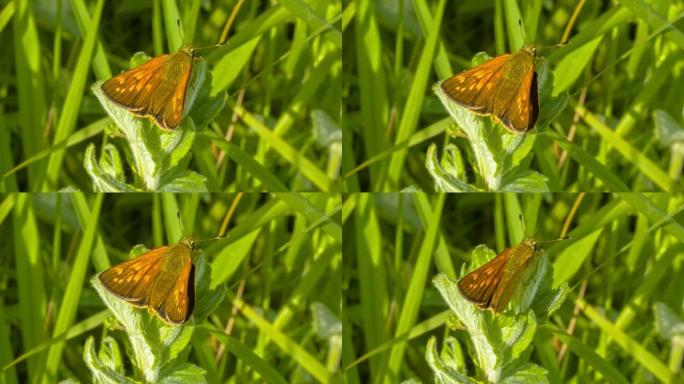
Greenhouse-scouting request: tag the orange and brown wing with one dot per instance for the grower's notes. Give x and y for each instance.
(504, 291)
(480, 285)
(131, 280)
(475, 87)
(134, 89)
(171, 114)
(180, 302)
(520, 113)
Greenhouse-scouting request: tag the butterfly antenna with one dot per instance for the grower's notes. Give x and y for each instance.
(522, 224)
(555, 240)
(180, 223)
(211, 46)
(561, 44)
(210, 239)
(522, 31)
(180, 31)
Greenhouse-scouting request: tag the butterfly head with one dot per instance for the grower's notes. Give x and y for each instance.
(532, 243)
(188, 49)
(531, 49)
(189, 242)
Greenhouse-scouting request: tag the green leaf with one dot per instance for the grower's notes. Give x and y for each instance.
(449, 174)
(569, 261)
(587, 353)
(184, 181)
(105, 367)
(525, 181)
(107, 174)
(230, 257)
(204, 107)
(447, 366)
(526, 374)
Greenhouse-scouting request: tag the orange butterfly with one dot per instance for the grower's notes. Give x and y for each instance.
(162, 280)
(155, 88)
(492, 285)
(504, 87)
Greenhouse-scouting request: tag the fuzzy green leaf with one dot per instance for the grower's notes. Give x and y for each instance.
(449, 174)
(105, 366)
(106, 174)
(447, 366)
(525, 181)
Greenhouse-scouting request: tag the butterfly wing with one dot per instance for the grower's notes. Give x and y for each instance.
(131, 280)
(480, 285)
(508, 285)
(524, 116)
(180, 301)
(505, 87)
(133, 89)
(155, 88)
(519, 261)
(473, 88)
(171, 113)
(516, 103)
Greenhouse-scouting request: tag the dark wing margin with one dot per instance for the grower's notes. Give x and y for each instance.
(180, 302)
(522, 111)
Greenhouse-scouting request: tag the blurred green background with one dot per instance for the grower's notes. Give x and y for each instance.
(620, 131)
(624, 256)
(281, 69)
(280, 258)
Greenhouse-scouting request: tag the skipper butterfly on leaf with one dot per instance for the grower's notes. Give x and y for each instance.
(162, 280)
(155, 88)
(492, 285)
(504, 87)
